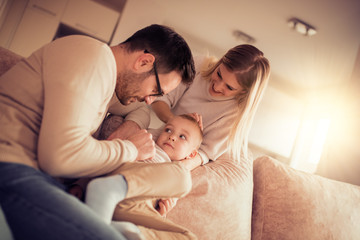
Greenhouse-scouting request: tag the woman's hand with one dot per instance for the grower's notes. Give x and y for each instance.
(198, 118)
(165, 205)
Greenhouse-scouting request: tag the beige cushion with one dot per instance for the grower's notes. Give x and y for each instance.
(219, 205)
(290, 204)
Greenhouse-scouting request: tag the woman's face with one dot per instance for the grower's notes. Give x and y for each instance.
(223, 83)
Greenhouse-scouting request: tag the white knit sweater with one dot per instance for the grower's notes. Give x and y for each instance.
(52, 102)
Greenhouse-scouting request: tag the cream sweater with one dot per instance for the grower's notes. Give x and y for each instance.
(218, 114)
(52, 102)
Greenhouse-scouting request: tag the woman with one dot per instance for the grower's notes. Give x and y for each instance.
(223, 97)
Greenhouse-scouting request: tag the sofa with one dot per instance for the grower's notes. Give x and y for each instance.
(256, 199)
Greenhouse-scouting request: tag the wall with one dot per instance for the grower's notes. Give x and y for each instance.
(28, 25)
(12, 17)
(153, 13)
(131, 20)
(341, 157)
(276, 124)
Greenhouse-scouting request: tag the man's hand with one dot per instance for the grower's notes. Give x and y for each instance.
(144, 143)
(165, 205)
(125, 130)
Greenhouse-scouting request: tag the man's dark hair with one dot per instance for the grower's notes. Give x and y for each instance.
(171, 51)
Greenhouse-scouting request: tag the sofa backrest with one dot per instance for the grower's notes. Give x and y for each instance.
(291, 204)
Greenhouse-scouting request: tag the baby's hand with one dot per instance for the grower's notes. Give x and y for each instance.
(165, 205)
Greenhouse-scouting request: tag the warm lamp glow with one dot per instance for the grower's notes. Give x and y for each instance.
(319, 140)
(301, 27)
(313, 134)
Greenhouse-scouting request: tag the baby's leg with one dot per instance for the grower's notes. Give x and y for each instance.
(104, 193)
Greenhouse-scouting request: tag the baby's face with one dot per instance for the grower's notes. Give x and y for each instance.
(179, 138)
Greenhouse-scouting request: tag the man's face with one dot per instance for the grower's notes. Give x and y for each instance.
(179, 138)
(131, 86)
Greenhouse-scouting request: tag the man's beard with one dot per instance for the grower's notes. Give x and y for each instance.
(128, 85)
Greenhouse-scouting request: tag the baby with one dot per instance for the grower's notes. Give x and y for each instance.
(180, 139)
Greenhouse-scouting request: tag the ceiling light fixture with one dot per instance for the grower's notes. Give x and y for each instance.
(243, 36)
(301, 27)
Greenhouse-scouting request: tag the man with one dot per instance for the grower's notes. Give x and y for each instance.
(52, 103)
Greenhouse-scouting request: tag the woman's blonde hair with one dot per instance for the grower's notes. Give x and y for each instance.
(252, 71)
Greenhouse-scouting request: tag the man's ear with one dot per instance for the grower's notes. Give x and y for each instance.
(144, 62)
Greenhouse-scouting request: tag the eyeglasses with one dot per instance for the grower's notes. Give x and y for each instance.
(160, 91)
